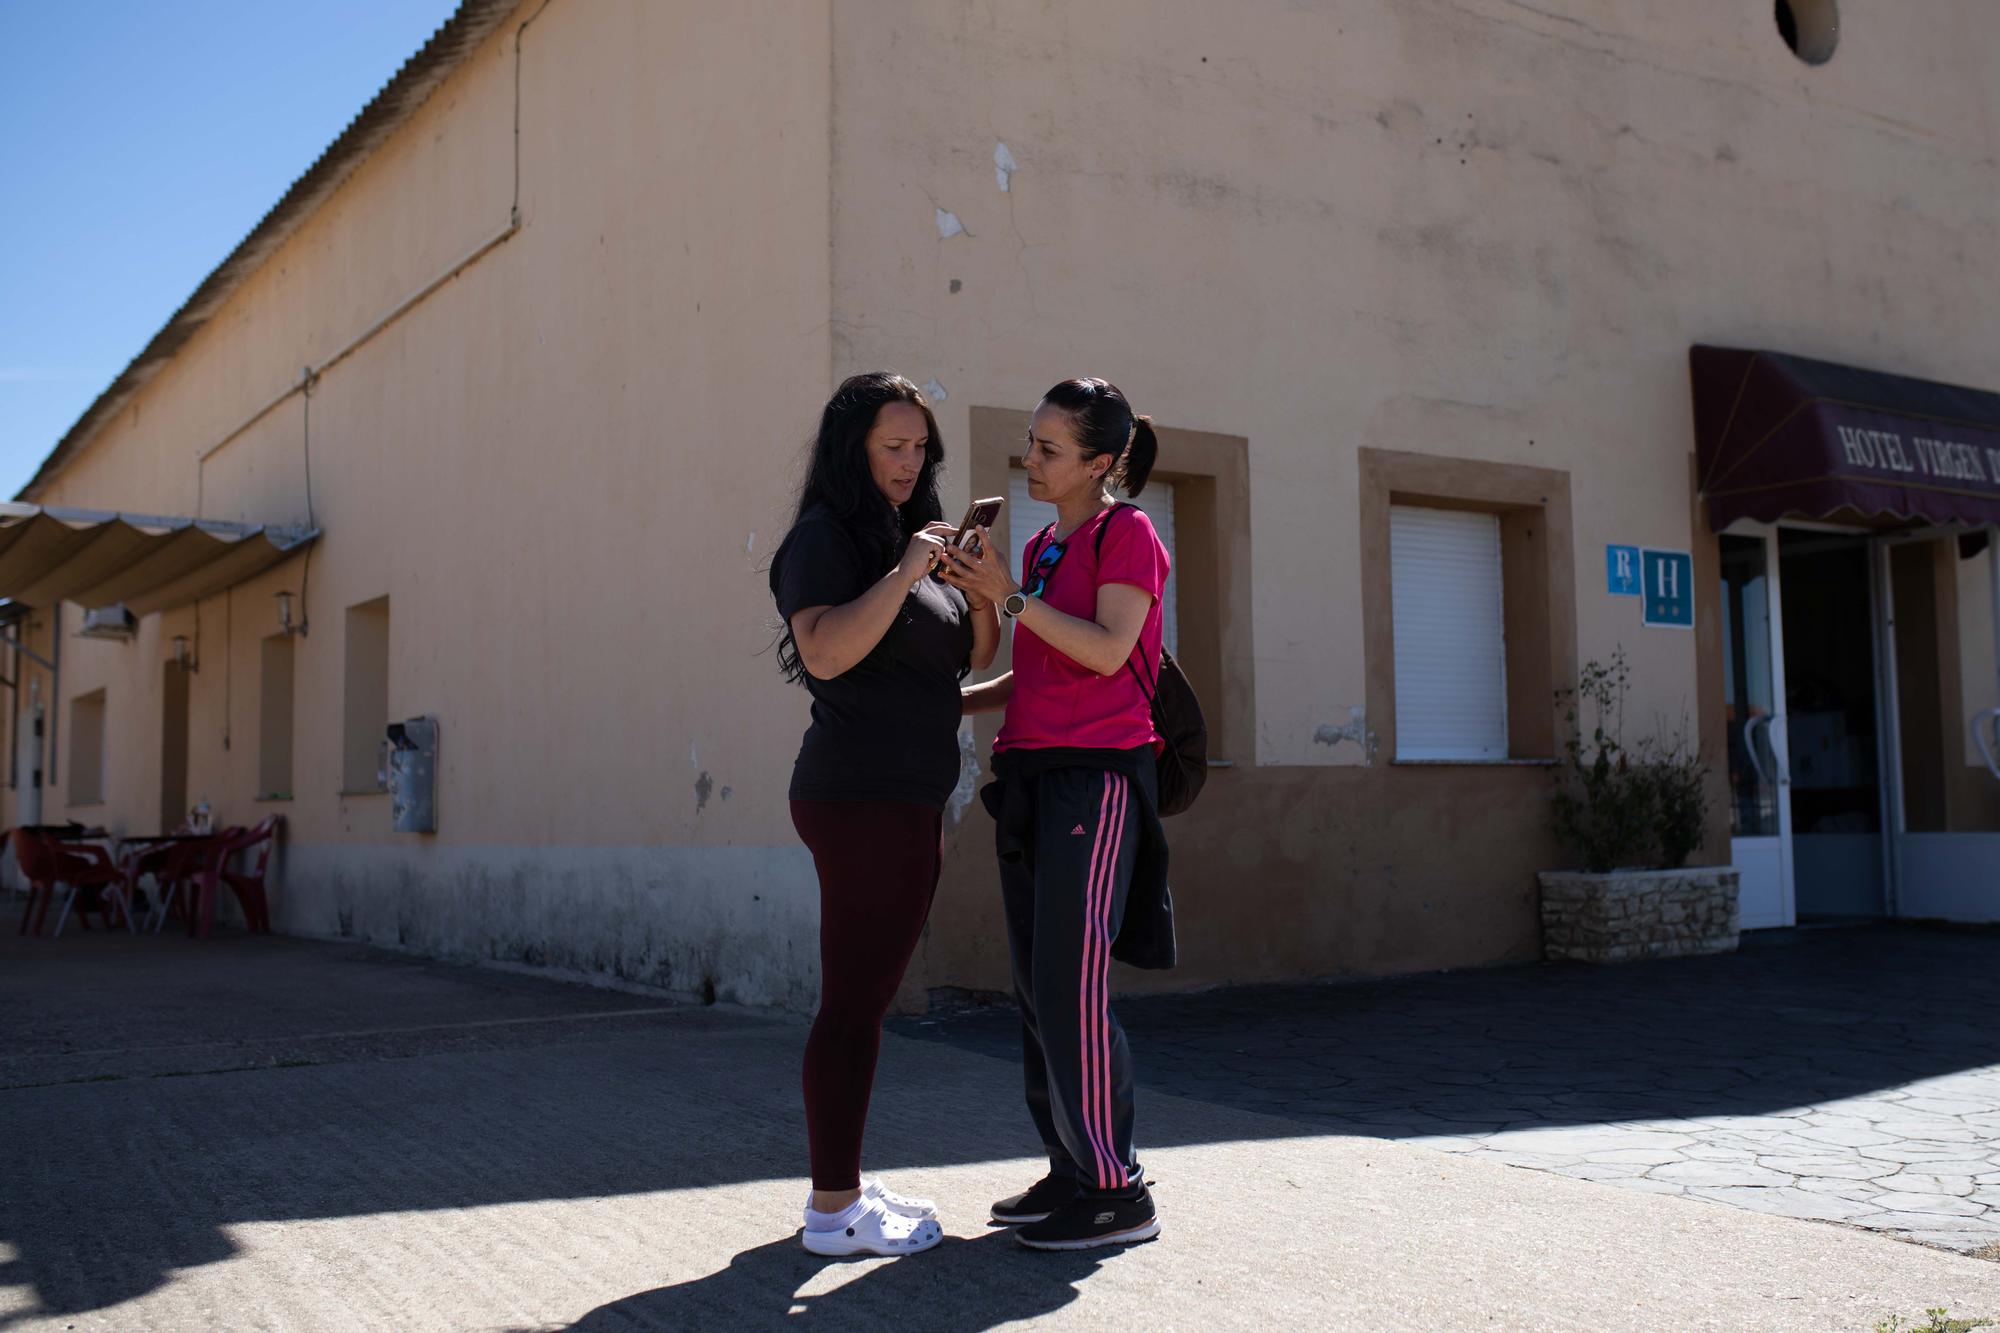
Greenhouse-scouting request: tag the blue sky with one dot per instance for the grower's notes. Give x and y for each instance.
(140, 140)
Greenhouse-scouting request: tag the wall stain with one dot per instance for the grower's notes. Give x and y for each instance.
(1356, 730)
(703, 785)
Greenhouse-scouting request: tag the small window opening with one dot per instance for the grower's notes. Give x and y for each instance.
(86, 749)
(367, 691)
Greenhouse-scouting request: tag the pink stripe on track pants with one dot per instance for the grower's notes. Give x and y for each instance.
(1062, 916)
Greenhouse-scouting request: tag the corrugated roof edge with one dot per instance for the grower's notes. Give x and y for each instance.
(456, 39)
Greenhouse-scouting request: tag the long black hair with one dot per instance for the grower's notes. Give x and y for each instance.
(1105, 424)
(838, 481)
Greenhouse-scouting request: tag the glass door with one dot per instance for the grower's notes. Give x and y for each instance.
(1759, 767)
(1939, 628)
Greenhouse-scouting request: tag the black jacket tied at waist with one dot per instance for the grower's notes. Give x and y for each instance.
(1146, 937)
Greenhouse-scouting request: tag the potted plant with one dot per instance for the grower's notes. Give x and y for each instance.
(1631, 817)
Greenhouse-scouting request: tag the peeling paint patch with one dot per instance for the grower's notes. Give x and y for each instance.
(1003, 166)
(948, 224)
(1356, 730)
(967, 789)
(703, 785)
(750, 543)
(727, 792)
(934, 391)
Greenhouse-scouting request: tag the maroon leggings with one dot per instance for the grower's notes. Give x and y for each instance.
(878, 865)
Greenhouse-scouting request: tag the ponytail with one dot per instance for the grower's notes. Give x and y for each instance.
(1105, 424)
(1140, 456)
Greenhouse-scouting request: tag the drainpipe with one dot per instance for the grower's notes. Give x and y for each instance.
(311, 374)
(55, 692)
(14, 723)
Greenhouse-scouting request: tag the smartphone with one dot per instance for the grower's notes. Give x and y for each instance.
(978, 514)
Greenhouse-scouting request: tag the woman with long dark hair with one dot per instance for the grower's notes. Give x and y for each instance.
(881, 646)
(1075, 799)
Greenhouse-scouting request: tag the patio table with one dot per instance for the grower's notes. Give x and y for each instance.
(177, 857)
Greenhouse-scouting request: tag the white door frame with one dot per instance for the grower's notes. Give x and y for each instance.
(1778, 726)
(1987, 725)
(1888, 717)
(1895, 819)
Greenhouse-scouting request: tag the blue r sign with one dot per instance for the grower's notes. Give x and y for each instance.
(1621, 570)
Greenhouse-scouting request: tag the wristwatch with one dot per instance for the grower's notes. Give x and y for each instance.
(1014, 605)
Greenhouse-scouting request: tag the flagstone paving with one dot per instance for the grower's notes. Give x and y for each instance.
(1848, 1076)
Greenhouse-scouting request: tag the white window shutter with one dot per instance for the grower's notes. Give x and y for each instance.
(1450, 636)
(1027, 517)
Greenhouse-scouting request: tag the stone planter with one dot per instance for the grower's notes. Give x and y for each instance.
(1631, 914)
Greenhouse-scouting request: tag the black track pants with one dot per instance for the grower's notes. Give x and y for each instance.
(1062, 916)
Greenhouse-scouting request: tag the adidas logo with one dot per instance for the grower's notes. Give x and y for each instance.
(1077, 832)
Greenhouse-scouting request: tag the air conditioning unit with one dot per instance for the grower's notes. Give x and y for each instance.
(108, 622)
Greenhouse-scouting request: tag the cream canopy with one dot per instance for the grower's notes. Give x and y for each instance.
(148, 563)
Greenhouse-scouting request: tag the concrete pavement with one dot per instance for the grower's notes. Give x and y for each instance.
(1848, 1075)
(280, 1134)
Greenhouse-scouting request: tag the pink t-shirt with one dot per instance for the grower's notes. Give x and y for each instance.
(1058, 703)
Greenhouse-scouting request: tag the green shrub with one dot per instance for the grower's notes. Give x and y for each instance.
(1616, 808)
(1680, 795)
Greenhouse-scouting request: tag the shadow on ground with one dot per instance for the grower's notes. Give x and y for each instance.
(157, 1094)
(1795, 1018)
(762, 1288)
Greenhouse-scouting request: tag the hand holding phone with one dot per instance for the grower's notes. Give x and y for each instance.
(978, 514)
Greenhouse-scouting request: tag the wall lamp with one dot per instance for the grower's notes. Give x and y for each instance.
(183, 654)
(285, 621)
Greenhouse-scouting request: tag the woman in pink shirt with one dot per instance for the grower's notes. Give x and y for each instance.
(1075, 797)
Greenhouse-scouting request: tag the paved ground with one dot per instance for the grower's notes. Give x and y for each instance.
(276, 1134)
(1848, 1076)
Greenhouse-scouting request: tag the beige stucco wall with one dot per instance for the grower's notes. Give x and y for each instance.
(1449, 227)
(564, 469)
(1471, 228)
(1476, 229)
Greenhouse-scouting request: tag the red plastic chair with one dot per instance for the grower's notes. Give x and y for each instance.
(173, 866)
(247, 885)
(89, 871)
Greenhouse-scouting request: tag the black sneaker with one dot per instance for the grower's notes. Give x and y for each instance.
(1037, 1202)
(1091, 1220)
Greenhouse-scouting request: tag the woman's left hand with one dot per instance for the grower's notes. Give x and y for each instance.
(983, 577)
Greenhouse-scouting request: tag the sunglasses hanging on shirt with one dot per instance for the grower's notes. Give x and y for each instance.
(1046, 560)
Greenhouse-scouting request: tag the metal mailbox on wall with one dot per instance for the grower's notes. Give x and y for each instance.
(413, 767)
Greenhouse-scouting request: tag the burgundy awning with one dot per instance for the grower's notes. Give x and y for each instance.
(1780, 436)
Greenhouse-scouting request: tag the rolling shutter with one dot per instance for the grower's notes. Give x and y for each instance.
(1450, 641)
(1027, 517)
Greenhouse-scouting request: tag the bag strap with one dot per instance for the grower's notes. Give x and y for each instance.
(1097, 553)
(1097, 542)
(1151, 695)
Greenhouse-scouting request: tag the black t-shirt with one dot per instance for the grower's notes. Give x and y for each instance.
(887, 728)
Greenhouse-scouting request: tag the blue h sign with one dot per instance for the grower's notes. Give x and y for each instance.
(1668, 596)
